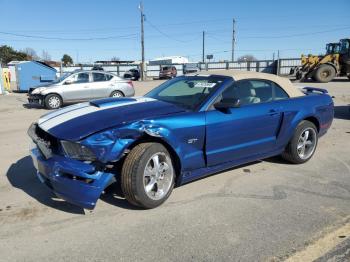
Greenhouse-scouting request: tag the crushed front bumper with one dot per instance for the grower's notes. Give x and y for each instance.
(74, 181)
(35, 99)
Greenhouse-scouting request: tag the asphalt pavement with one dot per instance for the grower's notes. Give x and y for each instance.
(266, 211)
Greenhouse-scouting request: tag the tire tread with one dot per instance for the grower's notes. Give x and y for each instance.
(130, 165)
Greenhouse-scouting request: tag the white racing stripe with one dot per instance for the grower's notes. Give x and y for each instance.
(55, 113)
(84, 109)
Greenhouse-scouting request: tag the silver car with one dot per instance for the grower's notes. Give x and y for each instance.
(80, 86)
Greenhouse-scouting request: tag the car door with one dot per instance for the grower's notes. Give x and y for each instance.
(76, 87)
(101, 85)
(246, 131)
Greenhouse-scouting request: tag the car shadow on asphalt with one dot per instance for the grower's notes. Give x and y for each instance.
(113, 195)
(342, 112)
(37, 106)
(22, 175)
(32, 106)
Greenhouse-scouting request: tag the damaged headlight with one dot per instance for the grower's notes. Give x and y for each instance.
(38, 90)
(78, 151)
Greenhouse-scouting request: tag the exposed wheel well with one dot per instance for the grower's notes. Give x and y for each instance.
(315, 121)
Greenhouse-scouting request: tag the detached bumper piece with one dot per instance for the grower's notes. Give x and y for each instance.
(74, 181)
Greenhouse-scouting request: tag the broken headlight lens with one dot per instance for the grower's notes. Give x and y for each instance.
(77, 151)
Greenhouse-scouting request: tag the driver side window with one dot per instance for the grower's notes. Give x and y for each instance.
(79, 78)
(253, 91)
(242, 90)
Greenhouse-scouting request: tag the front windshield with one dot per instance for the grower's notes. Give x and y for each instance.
(187, 92)
(344, 46)
(333, 48)
(62, 77)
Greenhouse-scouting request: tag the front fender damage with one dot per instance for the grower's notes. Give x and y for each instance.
(82, 183)
(111, 145)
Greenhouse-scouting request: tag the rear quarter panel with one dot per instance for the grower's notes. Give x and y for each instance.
(125, 88)
(318, 106)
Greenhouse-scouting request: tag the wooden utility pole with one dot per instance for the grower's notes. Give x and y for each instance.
(233, 40)
(142, 41)
(203, 47)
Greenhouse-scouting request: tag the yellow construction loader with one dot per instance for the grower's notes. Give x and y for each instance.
(323, 68)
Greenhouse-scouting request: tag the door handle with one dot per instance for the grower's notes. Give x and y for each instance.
(86, 86)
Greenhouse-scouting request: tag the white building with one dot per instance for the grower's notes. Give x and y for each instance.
(169, 60)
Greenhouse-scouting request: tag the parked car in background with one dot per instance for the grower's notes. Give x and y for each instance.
(133, 74)
(185, 129)
(191, 68)
(80, 86)
(97, 68)
(167, 72)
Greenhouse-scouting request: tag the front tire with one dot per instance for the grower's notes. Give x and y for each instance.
(53, 101)
(325, 73)
(303, 144)
(148, 175)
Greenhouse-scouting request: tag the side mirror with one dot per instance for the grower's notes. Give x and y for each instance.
(225, 105)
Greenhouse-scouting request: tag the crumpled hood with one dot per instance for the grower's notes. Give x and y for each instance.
(81, 120)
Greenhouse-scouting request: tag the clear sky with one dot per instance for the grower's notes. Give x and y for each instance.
(99, 30)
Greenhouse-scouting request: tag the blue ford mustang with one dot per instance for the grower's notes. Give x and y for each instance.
(187, 128)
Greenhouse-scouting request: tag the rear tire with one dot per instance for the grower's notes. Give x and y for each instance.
(53, 101)
(148, 175)
(117, 94)
(325, 73)
(303, 144)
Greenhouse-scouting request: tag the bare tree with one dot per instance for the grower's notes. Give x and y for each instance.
(246, 58)
(31, 53)
(45, 55)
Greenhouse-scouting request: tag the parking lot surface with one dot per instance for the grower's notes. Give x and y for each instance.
(264, 211)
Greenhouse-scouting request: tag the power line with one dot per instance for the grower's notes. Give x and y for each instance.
(134, 35)
(68, 39)
(161, 32)
(301, 34)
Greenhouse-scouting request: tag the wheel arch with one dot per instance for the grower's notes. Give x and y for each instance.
(294, 124)
(117, 90)
(313, 120)
(146, 138)
(52, 93)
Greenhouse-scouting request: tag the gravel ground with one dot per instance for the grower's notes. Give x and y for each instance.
(264, 211)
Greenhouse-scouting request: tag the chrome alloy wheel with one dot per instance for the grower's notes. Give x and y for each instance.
(158, 176)
(307, 143)
(117, 94)
(54, 102)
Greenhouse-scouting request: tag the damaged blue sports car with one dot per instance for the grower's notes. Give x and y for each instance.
(186, 128)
